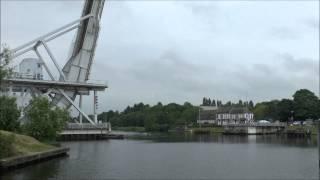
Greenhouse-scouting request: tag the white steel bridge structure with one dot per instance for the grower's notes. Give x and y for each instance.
(73, 76)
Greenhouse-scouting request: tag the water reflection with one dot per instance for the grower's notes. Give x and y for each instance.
(182, 156)
(38, 171)
(230, 139)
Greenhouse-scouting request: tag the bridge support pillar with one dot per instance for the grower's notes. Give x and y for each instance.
(95, 106)
(80, 106)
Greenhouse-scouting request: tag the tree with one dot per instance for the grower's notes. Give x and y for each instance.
(44, 121)
(9, 114)
(260, 111)
(5, 70)
(251, 105)
(213, 102)
(189, 115)
(273, 111)
(219, 103)
(240, 103)
(305, 104)
(285, 106)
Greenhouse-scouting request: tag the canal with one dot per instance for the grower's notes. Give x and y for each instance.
(182, 156)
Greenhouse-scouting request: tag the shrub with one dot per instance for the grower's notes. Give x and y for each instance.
(44, 121)
(9, 114)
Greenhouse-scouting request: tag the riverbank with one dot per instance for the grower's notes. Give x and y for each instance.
(301, 131)
(20, 149)
(310, 130)
(130, 128)
(208, 130)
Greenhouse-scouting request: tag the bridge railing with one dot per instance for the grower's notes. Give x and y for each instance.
(76, 126)
(256, 124)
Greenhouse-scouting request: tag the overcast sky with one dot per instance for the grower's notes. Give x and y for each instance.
(172, 51)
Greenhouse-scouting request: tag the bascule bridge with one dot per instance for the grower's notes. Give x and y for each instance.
(73, 78)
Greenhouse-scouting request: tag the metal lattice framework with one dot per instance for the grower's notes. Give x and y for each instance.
(75, 73)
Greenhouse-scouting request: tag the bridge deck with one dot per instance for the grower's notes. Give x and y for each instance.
(55, 84)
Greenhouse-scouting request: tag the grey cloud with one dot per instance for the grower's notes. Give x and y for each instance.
(169, 70)
(305, 65)
(182, 51)
(312, 23)
(284, 33)
(263, 68)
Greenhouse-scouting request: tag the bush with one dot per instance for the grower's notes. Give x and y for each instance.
(6, 145)
(44, 121)
(9, 114)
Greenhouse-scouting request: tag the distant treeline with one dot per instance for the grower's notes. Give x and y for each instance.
(208, 102)
(153, 118)
(304, 105)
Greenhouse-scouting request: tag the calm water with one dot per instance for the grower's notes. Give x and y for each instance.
(182, 156)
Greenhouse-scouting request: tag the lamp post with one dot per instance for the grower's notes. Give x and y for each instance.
(291, 119)
(199, 117)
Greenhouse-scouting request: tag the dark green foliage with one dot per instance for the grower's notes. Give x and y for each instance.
(9, 114)
(305, 105)
(213, 103)
(156, 118)
(285, 108)
(267, 110)
(250, 105)
(5, 71)
(45, 121)
(6, 145)
(163, 117)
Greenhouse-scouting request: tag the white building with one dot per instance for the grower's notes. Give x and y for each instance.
(234, 115)
(30, 68)
(224, 115)
(207, 115)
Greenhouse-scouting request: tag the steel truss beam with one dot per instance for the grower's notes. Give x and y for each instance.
(42, 40)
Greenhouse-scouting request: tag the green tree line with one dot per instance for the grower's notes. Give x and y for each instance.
(153, 118)
(208, 102)
(304, 105)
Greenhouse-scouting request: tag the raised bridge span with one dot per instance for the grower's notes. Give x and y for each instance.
(73, 77)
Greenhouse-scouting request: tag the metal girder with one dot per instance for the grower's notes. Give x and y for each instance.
(76, 106)
(43, 37)
(54, 60)
(72, 80)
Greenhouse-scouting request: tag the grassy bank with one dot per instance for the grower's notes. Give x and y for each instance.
(17, 144)
(129, 128)
(207, 130)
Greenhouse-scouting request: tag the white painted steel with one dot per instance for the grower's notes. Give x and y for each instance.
(77, 68)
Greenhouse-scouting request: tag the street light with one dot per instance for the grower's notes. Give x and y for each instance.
(292, 112)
